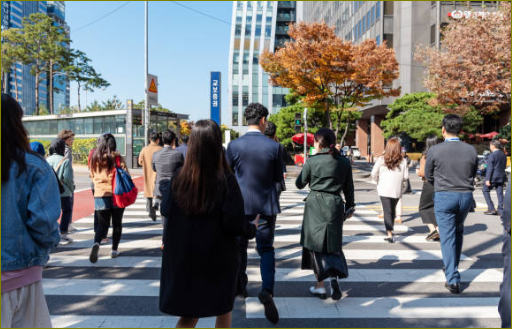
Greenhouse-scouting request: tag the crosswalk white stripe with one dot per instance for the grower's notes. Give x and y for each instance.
(384, 307)
(280, 253)
(150, 288)
(116, 321)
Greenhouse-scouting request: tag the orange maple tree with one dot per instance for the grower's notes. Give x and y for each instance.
(472, 68)
(327, 70)
(186, 127)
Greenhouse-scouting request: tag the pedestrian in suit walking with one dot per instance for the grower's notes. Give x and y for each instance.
(270, 132)
(257, 163)
(451, 167)
(165, 163)
(206, 215)
(495, 177)
(145, 160)
(183, 147)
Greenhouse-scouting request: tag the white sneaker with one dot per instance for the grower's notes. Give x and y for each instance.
(320, 292)
(114, 253)
(71, 228)
(65, 239)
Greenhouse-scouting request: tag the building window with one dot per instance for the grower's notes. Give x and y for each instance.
(235, 98)
(388, 8)
(368, 25)
(388, 37)
(364, 23)
(378, 40)
(377, 11)
(245, 99)
(432, 35)
(373, 15)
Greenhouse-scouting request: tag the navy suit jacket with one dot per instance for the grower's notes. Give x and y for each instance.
(496, 165)
(256, 161)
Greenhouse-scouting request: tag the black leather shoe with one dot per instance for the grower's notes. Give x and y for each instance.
(270, 308)
(453, 288)
(432, 235)
(494, 213)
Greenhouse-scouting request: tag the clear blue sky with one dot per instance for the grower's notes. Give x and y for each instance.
(184, 46)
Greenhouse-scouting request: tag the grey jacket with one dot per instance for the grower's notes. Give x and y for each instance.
(165, 163)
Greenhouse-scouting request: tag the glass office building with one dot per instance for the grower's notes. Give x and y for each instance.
(257, 26)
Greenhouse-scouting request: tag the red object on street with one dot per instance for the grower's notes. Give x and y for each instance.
(299, 139)
(489, 135)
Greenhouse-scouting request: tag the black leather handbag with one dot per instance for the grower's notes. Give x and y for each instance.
(329, 265)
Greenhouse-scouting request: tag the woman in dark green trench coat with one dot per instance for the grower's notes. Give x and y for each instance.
(327, 173)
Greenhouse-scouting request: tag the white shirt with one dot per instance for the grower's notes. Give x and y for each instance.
(252, 130)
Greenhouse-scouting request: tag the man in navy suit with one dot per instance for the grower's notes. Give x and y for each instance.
(256, 161)
(495, 177)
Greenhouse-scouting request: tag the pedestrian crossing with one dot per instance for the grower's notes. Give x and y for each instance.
(399, 284)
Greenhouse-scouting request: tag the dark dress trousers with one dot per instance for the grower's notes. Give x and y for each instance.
(495, 174)
(201, 259)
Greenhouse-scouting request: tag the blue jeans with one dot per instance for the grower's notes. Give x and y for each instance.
(265, 248)
(451, 210)
(486, 191)
(66, 205)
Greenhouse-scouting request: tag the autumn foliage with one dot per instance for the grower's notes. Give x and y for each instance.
(328, 70)
(472, 68)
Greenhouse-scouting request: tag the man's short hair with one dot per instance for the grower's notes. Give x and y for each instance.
(452, 123)
(65, 134)
(184, 139)
(270, 129)
(153, 136)
(254, 112)
(496, 143)
(168, 137)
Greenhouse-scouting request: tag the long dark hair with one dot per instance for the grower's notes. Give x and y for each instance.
(326, 138)
(14, 137)
(429, 142)
(202, 178)
(103, 158)
(393, 154)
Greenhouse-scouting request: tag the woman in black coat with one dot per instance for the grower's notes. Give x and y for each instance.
(205, 212)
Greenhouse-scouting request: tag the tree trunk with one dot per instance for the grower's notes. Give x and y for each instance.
(345, 133)
(16, 81)
(37, 93)
(50, 92)
(328, 114)
(79, 108)
(338, 119)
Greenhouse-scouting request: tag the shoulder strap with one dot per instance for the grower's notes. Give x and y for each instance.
(118, 161)
(60, 163)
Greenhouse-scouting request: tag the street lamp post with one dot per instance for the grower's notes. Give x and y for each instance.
(146, 107)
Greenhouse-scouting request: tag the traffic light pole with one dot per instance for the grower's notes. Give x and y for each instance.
(305, 134)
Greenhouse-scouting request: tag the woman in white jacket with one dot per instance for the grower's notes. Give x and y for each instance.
(390, 171)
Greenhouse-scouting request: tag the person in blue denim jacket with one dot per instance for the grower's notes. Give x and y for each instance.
(31, 208)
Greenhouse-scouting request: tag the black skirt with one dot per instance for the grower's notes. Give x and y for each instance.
(336, 266)
(426, 207)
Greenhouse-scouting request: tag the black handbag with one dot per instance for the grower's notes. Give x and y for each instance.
(329, 265)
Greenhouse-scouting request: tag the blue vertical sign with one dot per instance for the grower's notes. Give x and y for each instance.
(215, 97)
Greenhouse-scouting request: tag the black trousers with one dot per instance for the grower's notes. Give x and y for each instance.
(389, 208)
(104, 216)
(504, 305)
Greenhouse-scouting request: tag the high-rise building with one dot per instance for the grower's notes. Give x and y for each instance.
(61, 95)
(403, 25)
(13, 13)
(257, 26)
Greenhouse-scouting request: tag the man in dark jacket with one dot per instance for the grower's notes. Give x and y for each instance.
(183, 147)
(504, 305)
(165, 163)
(451, 167)
(257, 163)
(495, 177)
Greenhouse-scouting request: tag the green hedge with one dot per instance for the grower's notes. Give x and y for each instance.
(81, 148)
